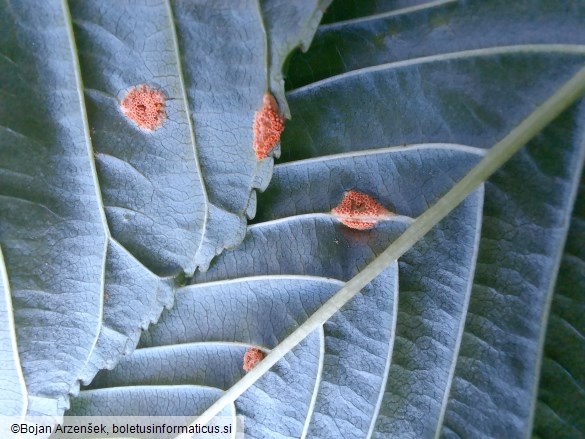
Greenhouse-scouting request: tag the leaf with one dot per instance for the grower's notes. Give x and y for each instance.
(502, 407)
(438, 32)
(177, 198)
(100, 220)
(167, 194)
(347, 9)
(432, 305)
(450, 370)
(13, 401)
(450, 98)
(194, 356)
(290, 24)
(493, 410)
(458, 354)
(177, 401)
(426, 29)
(358, 343)
(522, 239)
(52, 232)
(561, 375)
(408, 423)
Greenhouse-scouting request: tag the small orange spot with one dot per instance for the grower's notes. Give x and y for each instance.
(145, 107)
(360, 211)
(268, 126)
(252, 357)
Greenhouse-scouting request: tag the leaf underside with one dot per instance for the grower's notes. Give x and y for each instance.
(399, 104)
(562, 372)
(100, 220)
(460, 355)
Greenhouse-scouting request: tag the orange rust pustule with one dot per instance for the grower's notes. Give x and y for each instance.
(268, 126)
(252, 357)
(145, 107)
(359, 211)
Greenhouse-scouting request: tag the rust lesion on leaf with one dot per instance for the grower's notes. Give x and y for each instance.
(360, 211)
(268, 126)
(145, 106)
(252, 357)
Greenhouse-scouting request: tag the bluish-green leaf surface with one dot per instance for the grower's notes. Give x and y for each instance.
(398, 99)
(399, 30)
(290, 25)
(350, 9)
(416, 97)
(137, 401)
(561, 398)
(454, 98)
(100, 220)
(249, 295)
(14, 396)
(526, 204)
(53, 232)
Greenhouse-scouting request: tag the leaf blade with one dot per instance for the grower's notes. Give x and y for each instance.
(49, 185)
(508, 311)
(450, 98)
(563, 343)
(14, 400)
(435, 28)
(495, 158)
(289, 25)
(154, 197)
